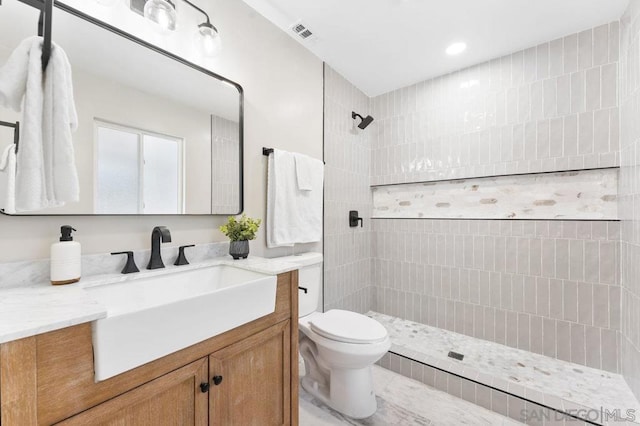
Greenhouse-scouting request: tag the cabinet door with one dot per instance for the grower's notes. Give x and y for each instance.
(173, 399)
(255, 380)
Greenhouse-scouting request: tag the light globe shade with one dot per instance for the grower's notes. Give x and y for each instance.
(162, 13)
(207, 40)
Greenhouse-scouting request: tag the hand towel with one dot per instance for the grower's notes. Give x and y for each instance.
(59, 120)
(307, 168)
(271, 202)
(293, 216)
(46, 172)
(8, 166)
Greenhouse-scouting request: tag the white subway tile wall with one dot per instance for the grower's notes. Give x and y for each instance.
(347, 262)
(630, 194)
(226, 159)
(548, 108)
(547, 286)
(550, 287)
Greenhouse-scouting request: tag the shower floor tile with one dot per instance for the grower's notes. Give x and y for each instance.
(403, 401)
(552, 382)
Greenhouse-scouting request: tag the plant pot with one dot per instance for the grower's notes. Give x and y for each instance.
(239, 249)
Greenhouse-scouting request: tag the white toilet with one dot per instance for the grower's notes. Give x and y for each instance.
(339, 347)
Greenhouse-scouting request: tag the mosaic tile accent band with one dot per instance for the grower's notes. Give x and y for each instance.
(584, 194)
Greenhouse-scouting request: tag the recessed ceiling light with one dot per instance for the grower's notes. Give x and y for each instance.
(456, 48)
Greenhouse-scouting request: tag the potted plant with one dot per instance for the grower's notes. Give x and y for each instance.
(240, 231)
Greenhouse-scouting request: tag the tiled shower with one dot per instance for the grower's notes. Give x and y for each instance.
(629, 195)
(552, 278)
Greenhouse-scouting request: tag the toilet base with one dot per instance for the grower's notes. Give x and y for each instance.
(350, 391)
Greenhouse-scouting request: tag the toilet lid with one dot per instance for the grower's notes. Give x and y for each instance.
(348, 327)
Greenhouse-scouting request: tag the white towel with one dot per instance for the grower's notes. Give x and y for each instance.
(307, 168)
(13, 75)
(293, 216)
(58, 122)
(8, 166)
(46, 172)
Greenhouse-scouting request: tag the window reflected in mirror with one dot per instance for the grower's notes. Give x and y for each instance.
(137, 172)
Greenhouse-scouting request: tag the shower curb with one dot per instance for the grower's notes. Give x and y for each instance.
(496, 398)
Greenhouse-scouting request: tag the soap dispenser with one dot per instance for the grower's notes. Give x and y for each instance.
(66, 263)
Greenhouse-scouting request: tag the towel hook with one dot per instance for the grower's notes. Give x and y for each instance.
(44, 29)
(44, 26)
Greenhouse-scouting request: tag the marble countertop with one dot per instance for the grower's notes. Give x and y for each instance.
(39, 308)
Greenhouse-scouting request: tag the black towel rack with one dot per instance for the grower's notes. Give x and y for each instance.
(267, 151)
(44, 30)
(16, 131)
(44, 26)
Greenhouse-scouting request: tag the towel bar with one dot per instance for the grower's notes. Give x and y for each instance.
(267, 151)
(16, 131)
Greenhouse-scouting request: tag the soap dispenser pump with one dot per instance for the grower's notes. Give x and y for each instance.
(66, 263)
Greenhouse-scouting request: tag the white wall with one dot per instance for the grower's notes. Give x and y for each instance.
(282, 82)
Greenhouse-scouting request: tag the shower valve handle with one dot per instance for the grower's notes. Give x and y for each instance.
(354, 219)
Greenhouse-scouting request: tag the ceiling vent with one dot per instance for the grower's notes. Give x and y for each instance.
(301, 31)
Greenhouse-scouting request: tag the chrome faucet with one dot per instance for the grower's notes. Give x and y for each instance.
(159, 233)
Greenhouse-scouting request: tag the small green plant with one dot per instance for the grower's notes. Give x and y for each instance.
(242, 229)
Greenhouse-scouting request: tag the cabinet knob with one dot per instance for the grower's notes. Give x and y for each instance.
(204, 387)
(217, 380)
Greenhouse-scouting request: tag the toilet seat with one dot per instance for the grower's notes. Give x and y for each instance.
(348, 327)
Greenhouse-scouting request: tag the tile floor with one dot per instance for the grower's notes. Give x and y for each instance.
(541, 379)
(403, 401)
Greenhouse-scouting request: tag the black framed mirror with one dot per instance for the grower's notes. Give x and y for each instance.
(156, 134)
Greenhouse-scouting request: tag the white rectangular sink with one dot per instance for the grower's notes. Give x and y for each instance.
(149, 318)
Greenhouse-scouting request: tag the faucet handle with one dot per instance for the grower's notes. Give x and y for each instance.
(131, 266)
(182, 259)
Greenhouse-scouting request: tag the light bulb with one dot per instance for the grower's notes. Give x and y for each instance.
(207, 40)
(456, 48)
(162, 13)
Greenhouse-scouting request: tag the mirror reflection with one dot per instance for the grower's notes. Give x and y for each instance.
(155, 135)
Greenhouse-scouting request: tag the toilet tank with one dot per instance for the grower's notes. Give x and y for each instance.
(310, 278)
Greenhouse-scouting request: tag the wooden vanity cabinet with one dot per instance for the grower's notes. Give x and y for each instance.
(252, 386)
(246, 376)
(173, 399)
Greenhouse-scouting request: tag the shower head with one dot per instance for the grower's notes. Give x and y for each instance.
(364, 121)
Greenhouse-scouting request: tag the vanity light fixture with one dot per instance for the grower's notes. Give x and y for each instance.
(456, 48)
(163, 13)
